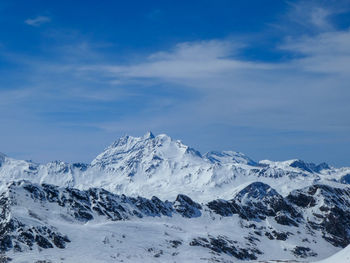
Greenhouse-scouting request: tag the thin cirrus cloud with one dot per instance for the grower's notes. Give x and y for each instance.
(37, 21)
(311, 16)
(245, 92)
(185, 62)
(196, 86)
(327, 53)
(308, 92)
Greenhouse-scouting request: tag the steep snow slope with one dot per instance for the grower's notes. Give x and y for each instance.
(46, 222)
(159, 164)
(342, 256)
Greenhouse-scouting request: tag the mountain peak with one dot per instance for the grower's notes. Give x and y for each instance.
(309, 167)
(135, 152)
(2, 158)
(148, 135)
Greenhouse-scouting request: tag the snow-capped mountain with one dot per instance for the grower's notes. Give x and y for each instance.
(158, 164)
(56, 224)
(213, 207)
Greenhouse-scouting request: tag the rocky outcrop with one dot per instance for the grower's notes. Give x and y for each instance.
(258, 210)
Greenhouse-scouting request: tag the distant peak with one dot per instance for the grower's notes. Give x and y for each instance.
(309, 167)
(128, 140)
(148, 135)
(2, 157)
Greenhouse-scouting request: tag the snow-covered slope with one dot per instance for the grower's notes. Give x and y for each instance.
(158, 164)
(342, 256)
(46, 222)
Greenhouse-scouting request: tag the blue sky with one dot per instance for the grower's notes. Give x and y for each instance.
(267, 78)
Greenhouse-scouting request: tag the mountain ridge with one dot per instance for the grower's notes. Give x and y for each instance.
(49, 222)
(140, 165)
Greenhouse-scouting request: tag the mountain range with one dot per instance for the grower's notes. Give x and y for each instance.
(154, 199)
(158, 164)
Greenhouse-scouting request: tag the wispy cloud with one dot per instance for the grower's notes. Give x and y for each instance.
(195, 85)
(228, 87)
(326, 53)
(236, 90)
(310, 16)
(185, 62)
(37, 21)
(319, 18)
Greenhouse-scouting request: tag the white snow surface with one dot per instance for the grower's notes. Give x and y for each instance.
(343, 256)
(158, 165)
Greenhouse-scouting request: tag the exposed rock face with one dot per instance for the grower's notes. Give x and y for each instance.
(326, 209)
(186, 207)
(18, 236)
(222, 244)
(257, 202)
(303, 252)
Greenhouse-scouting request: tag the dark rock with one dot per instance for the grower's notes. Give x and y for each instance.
(285, 220)
(60, 241)
(303, 252)
(5, 243)
(223, 207)
(280, 235)
(175, 243)
(43, 242)
(5, 259)
(186, 207)
(258, 201)
(345, 179)
(83, 215)
(223, 245)
(300, 199)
